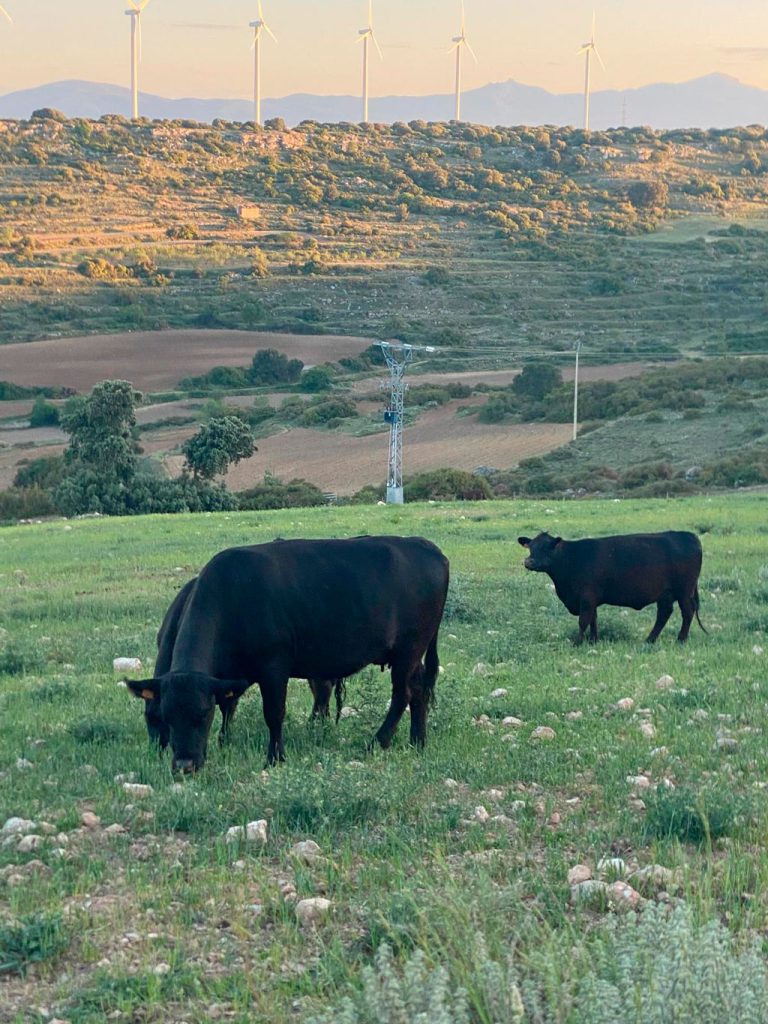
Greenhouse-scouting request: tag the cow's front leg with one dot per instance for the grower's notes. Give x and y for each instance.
(274, 690)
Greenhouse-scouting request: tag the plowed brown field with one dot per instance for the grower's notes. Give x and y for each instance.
(155, 360)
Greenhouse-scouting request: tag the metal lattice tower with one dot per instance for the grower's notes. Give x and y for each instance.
(394, 415)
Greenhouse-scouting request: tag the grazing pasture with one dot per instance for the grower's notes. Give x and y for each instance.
(133, 906)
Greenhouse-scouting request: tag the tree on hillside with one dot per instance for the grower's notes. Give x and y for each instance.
(100, 429)
(537, 380)
(648, 195)
(217, 445)
(272, 367)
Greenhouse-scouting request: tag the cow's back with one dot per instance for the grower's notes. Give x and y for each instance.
(328, 607)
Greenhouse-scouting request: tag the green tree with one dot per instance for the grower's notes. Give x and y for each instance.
(648, 195)
(217, 445)
(43, 414)
(536, 380)
(259, 265)
(317, 378)
(100, 430)
(272, 367)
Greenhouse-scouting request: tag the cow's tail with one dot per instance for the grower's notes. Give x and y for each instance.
(696, 605)
(341, 692)
(430, 671)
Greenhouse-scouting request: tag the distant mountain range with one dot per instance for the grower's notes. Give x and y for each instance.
(714, 101)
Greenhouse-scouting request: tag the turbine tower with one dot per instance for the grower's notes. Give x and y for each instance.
(137, 6)
(366, 36)
(459, 42)
(258, 27)
(588, 49)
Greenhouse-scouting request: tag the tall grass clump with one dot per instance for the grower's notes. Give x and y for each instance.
(30, 940)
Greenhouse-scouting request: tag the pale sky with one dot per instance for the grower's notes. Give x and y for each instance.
(201, 47)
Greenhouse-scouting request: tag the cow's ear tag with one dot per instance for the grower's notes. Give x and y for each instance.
(147, 694)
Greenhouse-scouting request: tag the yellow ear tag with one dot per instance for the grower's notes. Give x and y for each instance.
(147, 694)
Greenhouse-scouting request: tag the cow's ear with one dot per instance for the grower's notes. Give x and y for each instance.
(558, 540)
(227, 688)
(144, 689)
(524, 541)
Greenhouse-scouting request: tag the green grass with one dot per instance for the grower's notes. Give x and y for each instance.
(161, 916)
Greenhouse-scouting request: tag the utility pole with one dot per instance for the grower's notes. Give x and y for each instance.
(393, 415)
(577, 346)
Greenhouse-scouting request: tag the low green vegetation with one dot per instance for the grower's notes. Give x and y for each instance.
(447, 870)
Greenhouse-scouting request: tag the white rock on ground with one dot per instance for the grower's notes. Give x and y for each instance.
(579, 873)
(90, 820)
(253, 832)
(588, 890)
(18, 826)
(639, 781)
(127, 664)
(665, 682)
(29, 843)
(623, 895)
(648, 729)
(625, 704)
(480, 814)
(137, 790)
(310, 911)
(480, 669)
(308, 851)
(500, 692)
(510, 720)
(543, 732)
(612, 866)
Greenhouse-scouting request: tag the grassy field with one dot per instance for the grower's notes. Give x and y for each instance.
(161, 920)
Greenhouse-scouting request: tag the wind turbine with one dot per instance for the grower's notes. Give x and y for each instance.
(588, 49)
(137, 6)
(5, 14)
(258, 27)
(459, 42)
(365, 36)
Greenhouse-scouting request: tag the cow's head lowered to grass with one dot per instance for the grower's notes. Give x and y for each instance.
(541, 550)
(180, 707)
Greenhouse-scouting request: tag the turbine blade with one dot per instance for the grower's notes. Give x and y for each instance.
(594, 17)
(585, 47)
(269, 30)
(376, 44)
(463, 14)
(6, 14)
(261, 13)
(597, 54)
(474, 56)
(454, 47)
(370, 14)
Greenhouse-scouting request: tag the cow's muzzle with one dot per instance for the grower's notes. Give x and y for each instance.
(184, 765)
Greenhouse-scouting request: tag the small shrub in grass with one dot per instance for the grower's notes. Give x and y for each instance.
(52, 690)
(418, 992)
(98, 730)
(692, 817)
(18, 658)
(30, 940)
(663, 967)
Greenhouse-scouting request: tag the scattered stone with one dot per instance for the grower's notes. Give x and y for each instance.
(700, 715)
(480, 669)
(126, 777)
(127, 664)
(23, 764)
(639, 781)
(625, 704)
(655, 876)
(29, 843)
(138, 790)
(161, 969)
(543, 732)
(310, 911)
(483, 721)
(727, 743)
(177, 787)
(349, 713)
(116, 829)
(451, 784)
(588, 891)
(514, 723)
(637, 804)
(579, 873)
(355, 764)
(308, 851)
(480, 814)
(516, 806)
(612, 866)
(659, 751)
(255, 908)
(494, 795)
(90, 820)
(665, 682)
(554, 819)
(18, 826)
(623, 895)
(757, 649)
(648, 730)
(253, 832)
(500, 692)
(574, 716)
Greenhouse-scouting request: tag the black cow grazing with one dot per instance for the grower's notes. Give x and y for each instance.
(157, 729)
(631, 571)
(313, 609)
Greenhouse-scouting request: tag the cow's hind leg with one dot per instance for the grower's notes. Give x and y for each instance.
(664, 608)
(321, 691)
(274, 690)
(401, 674)
(687, 610)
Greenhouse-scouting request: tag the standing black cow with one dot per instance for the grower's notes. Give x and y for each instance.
(313, 609)
(631, 571)
(158, 730)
